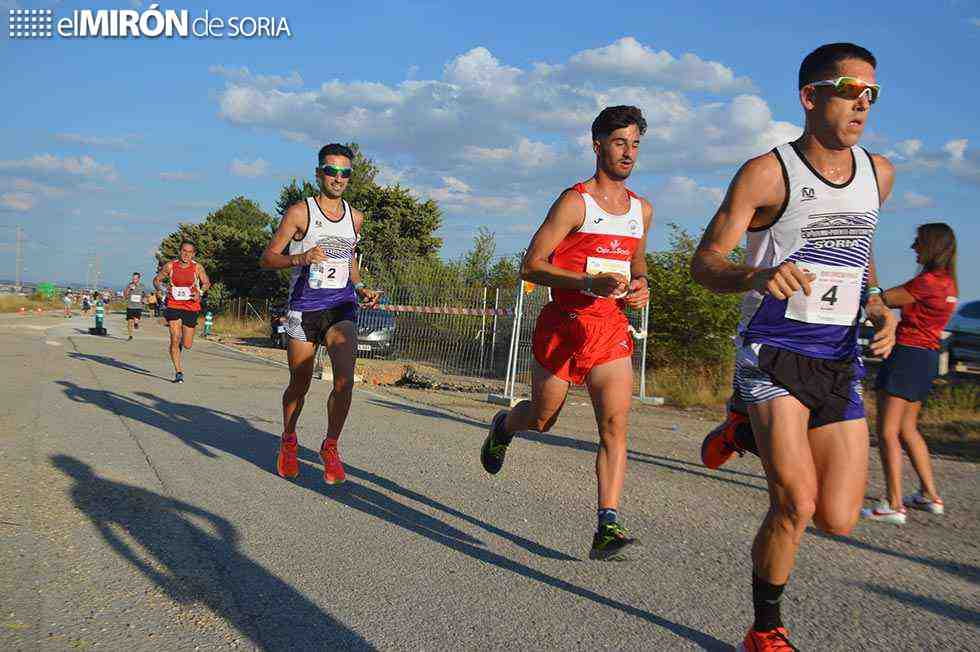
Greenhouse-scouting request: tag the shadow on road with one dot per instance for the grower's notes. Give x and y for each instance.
(938, 607)
(203, 428)
(198, 564)
(552, 439)
(113, 362)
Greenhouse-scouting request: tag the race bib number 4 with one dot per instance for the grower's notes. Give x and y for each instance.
(594, 265)
(329, 274)
(136, 298)
(835, 296)
(181, 293)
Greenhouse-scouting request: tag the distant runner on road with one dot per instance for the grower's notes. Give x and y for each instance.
(321, 234)
(591, 252)
(188, 281)
(135, 295)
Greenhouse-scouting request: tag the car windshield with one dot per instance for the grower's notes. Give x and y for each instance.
(971, 310)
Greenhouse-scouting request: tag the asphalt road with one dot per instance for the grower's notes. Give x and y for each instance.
(142, 515)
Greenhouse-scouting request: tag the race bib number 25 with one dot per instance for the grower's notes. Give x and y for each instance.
(835, 295)
(181, 293)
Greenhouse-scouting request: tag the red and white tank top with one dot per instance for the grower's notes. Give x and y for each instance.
(604, 243)
(182, 279)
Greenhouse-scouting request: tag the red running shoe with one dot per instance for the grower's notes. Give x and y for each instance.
(774, 640)
(286, 464)
(719, 446)
(333, 468)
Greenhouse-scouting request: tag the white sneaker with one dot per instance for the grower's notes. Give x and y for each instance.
(918, 501)
(884, 513)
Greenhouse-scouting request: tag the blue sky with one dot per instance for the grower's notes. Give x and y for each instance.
(108, 143)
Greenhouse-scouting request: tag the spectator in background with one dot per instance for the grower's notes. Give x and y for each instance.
(905, 378)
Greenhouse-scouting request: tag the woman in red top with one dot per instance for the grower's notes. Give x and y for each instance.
(905, 377)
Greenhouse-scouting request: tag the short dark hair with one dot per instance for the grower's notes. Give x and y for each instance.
(822, 63)
(183, 242)
(617, 117)
(137, 274)
(334, 149)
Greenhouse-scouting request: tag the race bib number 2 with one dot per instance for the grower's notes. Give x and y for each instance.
(835, 296)
(330, 274)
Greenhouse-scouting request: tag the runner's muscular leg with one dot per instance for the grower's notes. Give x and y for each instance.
(341, 340)
(174, 328)
(548, 394)
(840, 455)
(188, 334)
(611, 388)
(300, 357)
(780, 427)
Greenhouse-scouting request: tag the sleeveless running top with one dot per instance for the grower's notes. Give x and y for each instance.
(826, 228)
(182, 279)
(604, 243)
(326, 284)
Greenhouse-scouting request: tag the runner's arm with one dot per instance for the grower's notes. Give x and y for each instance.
(369, 298)
(758, 185)
(203, 277)
(292, 223)
(564, 217)
(878, 307)
(639, 292)
(164, 273)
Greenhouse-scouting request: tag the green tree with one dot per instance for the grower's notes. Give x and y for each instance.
(398, 227)
(688, 323)
(229, 243)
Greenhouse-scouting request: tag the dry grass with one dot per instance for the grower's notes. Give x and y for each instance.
(14, 302)
(231, 326)
(694, 385)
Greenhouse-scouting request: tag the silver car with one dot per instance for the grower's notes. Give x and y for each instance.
(963, 343)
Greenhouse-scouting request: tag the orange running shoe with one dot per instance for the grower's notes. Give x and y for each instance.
(333, 468)
(719, 446)
(774, 640)
(286, 463)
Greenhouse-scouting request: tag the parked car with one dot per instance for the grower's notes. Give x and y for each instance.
(375, 333)
(964, 340)
(277, 327)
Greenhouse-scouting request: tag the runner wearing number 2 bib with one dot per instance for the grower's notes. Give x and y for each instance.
(188, 281)
(591, 252)
(810, 209)
(321, 233)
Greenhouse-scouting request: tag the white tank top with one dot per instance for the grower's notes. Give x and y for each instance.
(326, 284)
(826, 228)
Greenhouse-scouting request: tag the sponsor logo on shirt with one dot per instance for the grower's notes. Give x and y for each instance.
(613, 248)
(839, 230)
(808, 194)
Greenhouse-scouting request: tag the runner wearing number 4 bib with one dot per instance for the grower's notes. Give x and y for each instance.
(188, 281)
(590, 251)
(810, 209)
(321, 233)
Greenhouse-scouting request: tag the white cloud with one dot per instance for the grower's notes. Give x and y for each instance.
(914, 200)
(257, 168)
(16, 201)
(124, 141)
(975, 22)
(685, 192)
(177, 176)
(244, 75)
(954, 157)
(628, 59)
(956, 148)
(70, 166)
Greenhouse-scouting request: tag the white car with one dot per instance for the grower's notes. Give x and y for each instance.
(963, 343)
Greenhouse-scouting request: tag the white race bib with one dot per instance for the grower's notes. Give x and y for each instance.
(280, 329)
(330, 274)
(594, 265)
(835, 295)
(180, 293)
(136, 298)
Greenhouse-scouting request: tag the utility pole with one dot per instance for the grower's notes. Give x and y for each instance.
(20, 259)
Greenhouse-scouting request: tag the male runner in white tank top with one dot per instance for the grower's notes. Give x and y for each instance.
(321, 233)
(591, 252)
(810, 209)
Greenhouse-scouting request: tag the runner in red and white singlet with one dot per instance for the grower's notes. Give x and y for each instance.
(590, 251)
(188, 282)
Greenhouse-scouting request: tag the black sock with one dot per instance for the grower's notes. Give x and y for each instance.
(607, 515)
(745, 438)
(765, 601)
(500, 436)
